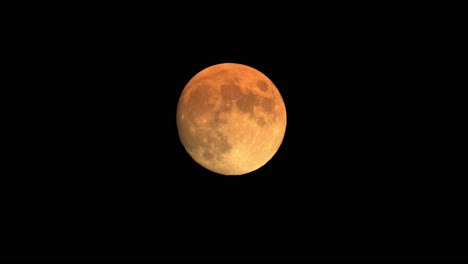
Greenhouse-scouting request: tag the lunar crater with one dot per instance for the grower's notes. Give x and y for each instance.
(261, 121)
(208, 155)
(262, 85)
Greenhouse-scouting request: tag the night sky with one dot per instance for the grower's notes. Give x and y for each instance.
(102, 171)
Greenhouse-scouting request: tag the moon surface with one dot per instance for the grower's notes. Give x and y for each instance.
(231, 118)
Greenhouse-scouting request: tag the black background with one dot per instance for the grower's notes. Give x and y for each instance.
(99, 171)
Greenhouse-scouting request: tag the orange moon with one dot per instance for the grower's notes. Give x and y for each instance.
(231, 118)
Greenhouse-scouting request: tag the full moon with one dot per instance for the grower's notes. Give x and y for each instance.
(231, 118)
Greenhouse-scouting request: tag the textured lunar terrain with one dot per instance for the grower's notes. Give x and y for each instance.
(231, 118)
